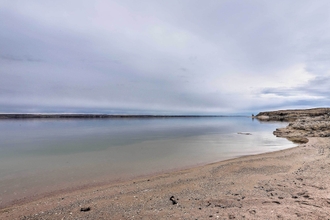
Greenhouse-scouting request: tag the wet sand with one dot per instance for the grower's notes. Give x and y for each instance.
(288, 184)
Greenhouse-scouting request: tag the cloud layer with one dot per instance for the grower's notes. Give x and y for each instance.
(172, 57)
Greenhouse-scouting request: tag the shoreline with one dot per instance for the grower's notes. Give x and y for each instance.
(123, 180)
(96, 116)
(253, 186)
(292, 183)
(106, 183)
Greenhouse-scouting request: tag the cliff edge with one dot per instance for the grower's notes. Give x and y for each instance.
(292, 115)
(303, 123)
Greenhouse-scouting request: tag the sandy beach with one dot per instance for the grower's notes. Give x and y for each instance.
(287, 184)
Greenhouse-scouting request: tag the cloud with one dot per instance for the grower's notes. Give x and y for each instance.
(163, 56)
(313, 89)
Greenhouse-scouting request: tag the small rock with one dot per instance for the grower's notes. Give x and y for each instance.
(174, 202)
(85, 209)
(244, 133)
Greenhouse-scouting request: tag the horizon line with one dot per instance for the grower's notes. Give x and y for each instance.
(103, 115)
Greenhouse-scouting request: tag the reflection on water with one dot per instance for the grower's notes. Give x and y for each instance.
(38, 156)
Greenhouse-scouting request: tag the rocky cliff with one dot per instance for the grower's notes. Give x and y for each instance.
(292, 115)
(306, 127)
(303, 123)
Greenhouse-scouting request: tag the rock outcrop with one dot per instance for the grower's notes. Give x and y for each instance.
(292, 115)
(303, 123)
(306, 127)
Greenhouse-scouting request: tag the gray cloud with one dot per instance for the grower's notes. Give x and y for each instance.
(317, 87)
(163, 56)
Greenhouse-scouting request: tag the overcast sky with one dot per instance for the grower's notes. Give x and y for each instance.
(168, 57)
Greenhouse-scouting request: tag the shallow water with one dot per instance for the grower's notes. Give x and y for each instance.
(44, 155)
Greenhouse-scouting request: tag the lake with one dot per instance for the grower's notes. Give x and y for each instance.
(39, 156)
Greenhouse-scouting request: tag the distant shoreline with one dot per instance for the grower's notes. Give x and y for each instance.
(82, 116)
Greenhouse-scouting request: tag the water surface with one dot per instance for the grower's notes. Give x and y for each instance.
(43, 155)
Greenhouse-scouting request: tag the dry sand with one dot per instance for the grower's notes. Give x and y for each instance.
(288, 184)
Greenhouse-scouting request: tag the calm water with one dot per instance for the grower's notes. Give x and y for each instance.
(38, 156)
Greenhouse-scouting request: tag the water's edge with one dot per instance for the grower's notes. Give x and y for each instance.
(52, 157)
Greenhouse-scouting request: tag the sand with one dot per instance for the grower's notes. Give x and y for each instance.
(288, 184)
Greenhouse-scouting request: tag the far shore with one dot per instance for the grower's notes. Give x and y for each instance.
(96, 115)
(288, 184)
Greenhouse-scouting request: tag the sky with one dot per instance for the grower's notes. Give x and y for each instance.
(164, 57)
